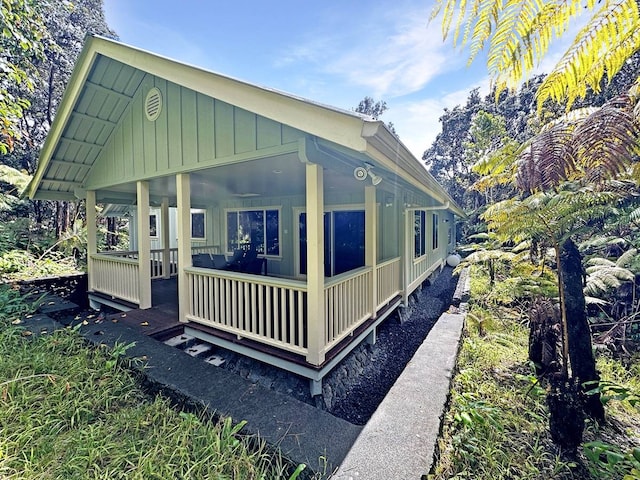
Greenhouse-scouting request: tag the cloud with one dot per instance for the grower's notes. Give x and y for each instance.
(388, 54)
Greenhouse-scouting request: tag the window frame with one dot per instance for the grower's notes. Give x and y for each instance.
(435, 222)
(153, 225)
(203, 212)
(419, 234)
(264, 210)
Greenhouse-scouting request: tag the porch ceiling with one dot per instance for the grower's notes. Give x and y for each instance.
(277, 176)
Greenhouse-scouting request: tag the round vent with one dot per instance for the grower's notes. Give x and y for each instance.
(153, 104)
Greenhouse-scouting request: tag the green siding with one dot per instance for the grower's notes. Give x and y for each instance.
(192, 129)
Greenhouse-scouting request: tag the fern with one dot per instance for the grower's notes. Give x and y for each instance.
(519, 34)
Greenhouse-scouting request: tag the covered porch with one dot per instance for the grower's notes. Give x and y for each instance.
(290, 227)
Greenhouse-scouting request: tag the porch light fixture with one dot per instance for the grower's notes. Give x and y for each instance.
(361, 173)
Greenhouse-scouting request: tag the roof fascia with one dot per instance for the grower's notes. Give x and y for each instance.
(337, 126)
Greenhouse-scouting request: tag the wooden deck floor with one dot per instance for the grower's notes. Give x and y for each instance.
(162, 318)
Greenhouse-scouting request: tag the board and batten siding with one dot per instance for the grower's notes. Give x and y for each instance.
(192, 131)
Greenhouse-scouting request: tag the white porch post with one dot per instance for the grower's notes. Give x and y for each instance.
(144, 245)
(371, 242)
(407, 254)
(92, 233)
(183, 189)
(166, 248)
(315, 264)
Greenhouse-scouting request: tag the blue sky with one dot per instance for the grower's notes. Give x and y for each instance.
(331, 51)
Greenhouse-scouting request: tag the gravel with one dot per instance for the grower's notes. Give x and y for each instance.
(396, 344)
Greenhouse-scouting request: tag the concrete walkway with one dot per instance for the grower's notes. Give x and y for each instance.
(397, 443)
(399, 440)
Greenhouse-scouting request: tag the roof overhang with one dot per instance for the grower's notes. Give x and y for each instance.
(97, 108)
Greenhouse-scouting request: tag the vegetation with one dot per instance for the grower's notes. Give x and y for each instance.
(495, 426)
(518, 34)
(68, 411)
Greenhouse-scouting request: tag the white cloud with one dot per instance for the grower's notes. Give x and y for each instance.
(387, 54)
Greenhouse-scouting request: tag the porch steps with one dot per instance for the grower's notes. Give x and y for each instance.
(199, 350)
(180, 341)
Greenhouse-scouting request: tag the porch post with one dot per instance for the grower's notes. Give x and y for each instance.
(315, 264)
(144, 245)
(371, 242)
(92, 242)
(183, 189)
(407, 254)
(166, 252)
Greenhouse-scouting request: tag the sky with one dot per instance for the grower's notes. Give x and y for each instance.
(334, 52)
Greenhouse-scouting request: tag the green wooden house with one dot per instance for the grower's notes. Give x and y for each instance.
(293, 228)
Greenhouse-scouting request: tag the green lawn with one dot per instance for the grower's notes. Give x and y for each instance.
(70, 411)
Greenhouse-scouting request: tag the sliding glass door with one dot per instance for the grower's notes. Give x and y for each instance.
(343, 241)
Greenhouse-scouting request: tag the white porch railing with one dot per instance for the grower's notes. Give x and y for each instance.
(157, 269)
(116, 276)
(266, 309)
(421, 268)
(347, 303)
(388, 279)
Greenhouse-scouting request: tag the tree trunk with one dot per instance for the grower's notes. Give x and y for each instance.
(582, 361)
(112, 232)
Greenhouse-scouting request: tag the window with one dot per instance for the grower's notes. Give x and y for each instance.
(153, 225)
(198, 225)
(259, 228)
(344, 233)
(434, 232)
(419, 221)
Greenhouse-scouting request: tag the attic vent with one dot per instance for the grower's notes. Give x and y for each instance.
(153, 104)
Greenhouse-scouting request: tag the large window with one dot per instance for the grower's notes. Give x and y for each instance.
(344, 234)
(259, 229)
(420, 243)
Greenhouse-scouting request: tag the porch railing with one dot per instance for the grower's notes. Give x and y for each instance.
(116, 276)
(388, 279)
(347, 303)
(157, 267)
(266, 309)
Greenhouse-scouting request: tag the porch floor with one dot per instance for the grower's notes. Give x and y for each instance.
(162, 318)
(161, 322)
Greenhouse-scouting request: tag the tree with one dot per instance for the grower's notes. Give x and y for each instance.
(66, 25)
(569, 176)
(22, 37)
(518, 34)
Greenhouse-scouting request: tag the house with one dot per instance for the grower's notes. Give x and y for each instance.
(340, 221)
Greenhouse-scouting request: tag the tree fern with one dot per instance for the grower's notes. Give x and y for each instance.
(518, 34)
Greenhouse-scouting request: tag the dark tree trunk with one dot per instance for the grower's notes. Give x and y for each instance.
(544, 338)
(112, 232)
(566, 414)
(582, 361)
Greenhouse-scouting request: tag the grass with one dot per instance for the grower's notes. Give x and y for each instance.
(68, 411)
(496, 426)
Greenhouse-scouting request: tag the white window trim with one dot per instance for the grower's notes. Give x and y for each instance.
(419, 258)
(204, 212)
(157, 225)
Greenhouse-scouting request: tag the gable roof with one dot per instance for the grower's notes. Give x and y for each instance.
(108, 74)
